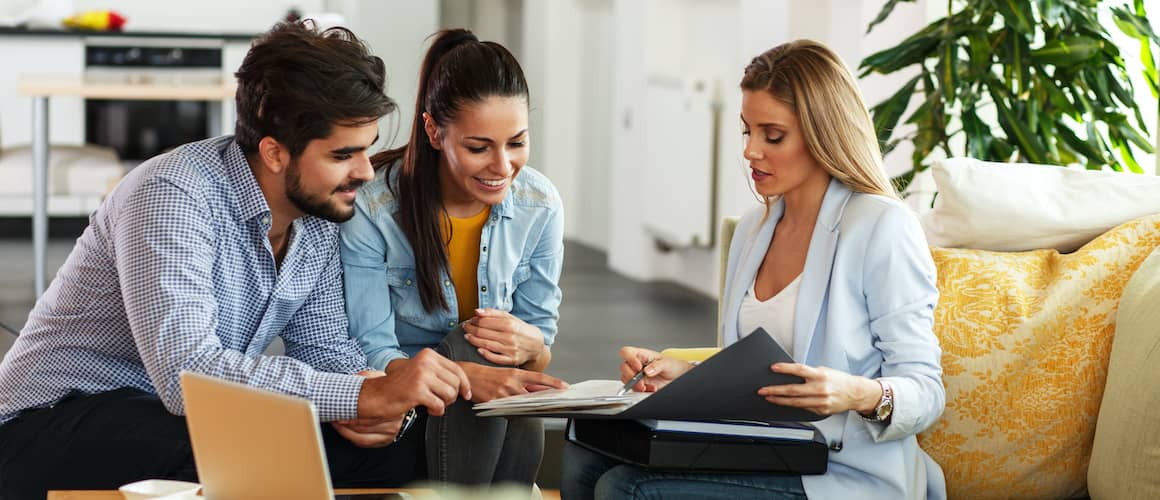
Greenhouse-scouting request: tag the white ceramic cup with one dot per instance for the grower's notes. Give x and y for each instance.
(156, 489)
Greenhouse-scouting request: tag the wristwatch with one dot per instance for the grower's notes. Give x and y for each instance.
(885, 406)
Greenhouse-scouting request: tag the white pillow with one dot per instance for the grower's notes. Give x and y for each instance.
(1013, 207)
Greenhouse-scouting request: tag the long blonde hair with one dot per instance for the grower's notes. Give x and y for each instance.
(812, 80)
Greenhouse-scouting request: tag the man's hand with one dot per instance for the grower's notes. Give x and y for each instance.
(428, 380)
(489, 382)
(369, 432)
(504, 339)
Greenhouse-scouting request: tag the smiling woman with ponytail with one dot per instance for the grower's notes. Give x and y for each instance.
(456, 245)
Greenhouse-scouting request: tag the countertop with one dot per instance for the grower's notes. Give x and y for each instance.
(16, 31)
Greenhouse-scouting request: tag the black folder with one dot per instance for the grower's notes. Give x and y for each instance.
(723, 387)
(631, 442)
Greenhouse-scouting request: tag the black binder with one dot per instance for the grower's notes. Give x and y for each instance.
(632, 442)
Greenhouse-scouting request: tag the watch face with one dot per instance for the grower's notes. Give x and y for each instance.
(884, 411)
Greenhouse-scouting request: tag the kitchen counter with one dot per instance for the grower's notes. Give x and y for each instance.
(14, 31)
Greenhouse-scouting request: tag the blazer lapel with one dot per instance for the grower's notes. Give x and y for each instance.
(819, 264)
(751, 257)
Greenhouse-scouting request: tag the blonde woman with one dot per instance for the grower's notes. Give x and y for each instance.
(836, 269)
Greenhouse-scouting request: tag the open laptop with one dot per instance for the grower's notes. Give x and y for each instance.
(250, 443)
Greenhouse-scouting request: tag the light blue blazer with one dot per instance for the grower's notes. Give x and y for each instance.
(866, 307)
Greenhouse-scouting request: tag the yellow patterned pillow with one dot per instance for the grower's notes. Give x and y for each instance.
(1025, 339)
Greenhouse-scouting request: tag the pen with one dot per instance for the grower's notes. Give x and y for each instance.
(635, 378)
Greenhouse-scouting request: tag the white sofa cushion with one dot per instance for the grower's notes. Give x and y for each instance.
(76, 170)
(1013, 207)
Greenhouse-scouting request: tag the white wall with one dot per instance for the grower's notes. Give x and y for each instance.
(716, 38)
(396, 31)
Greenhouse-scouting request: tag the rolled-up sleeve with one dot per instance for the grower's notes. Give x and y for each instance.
(901, 294)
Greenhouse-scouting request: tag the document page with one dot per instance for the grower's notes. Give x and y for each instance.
(588, 395)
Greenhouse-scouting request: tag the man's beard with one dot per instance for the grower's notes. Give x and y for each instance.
(319, 206)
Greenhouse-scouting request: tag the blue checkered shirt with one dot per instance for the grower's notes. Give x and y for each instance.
(175, 272)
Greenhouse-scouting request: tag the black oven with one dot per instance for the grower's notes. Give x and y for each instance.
(141, 129)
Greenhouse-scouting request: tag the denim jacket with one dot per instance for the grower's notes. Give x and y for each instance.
(521, 254)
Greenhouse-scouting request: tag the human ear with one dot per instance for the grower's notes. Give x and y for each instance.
(432, 130)
(273, 154)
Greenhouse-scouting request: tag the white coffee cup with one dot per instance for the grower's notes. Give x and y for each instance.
(158, 489)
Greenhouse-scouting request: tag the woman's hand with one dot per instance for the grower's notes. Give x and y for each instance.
(490, 382)
(504, 339)
(659, 372)
(825, 391)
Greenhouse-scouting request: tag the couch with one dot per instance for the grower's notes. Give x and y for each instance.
(1051, 342)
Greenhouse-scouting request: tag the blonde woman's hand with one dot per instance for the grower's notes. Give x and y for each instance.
(659, 372)
(826, 391)
(504, 339)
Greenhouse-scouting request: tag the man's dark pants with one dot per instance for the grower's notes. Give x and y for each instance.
(102, 441)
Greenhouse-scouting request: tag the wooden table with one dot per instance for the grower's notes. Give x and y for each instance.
(41, 87)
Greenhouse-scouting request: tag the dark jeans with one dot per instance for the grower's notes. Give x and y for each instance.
(105, 440)
(465, 449)
(588, 475)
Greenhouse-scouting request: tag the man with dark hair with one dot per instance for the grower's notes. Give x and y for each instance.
(196, 261)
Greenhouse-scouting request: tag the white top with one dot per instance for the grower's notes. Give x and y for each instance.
(774, 314)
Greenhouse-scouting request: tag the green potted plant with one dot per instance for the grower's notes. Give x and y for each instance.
(1045, 70)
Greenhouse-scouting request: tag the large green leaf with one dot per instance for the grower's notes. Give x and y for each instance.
(1001, 150)
(887, 114)
(1045, 129)
(884, 13)
(1128, 157)
(1017, 15)
(1067, 52)
(1051, 11)
(1058, 99)
(1078, 145)
(978, 134)
(1099, 77)
(916, 48)
(979, 52)
(912, 51)
(948, 70)
(901, 182)
(1029, 145)
(1133, 25)
(1130, 133)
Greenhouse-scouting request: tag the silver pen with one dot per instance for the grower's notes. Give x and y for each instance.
(635, 378)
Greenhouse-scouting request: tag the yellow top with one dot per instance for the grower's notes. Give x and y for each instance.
(463, 258)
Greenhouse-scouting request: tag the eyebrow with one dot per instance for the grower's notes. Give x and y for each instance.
(769, 125)
(488, 139)
(352, 149)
